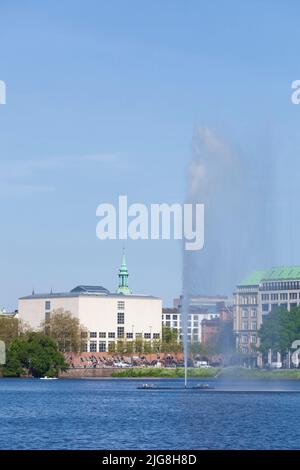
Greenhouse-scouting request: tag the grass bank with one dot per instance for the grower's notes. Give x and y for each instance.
(242, 372)
(165, 372)
(212, 372)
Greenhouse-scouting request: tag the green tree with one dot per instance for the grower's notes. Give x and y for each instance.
(65, 329)
(34, 354)
(9, 328)
(170, 342)
(279, 330)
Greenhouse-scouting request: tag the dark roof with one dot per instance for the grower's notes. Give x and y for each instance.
(82, 290)
(90, 290)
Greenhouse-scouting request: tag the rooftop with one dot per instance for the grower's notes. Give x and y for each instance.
(280, 273)
(86, 291)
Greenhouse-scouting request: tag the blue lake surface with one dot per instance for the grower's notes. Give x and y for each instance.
(114, 414)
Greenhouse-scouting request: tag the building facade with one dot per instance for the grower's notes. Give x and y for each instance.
(202, 308)
(259, 294)
(108, 317)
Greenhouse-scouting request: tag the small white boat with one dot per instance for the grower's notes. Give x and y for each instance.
(48, 378)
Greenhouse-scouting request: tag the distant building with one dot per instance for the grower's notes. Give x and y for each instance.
(202, 308)
(108, 317)
(259, 294)
(212, 327)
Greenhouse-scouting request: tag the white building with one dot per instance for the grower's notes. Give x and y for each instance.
(108, 317)
(201, 308)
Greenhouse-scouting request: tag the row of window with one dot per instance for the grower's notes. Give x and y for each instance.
(287, 285)
(120, 305)
(246, 337)
(266, 307)
(245, 313)
(246, 299)
(121, 334)
(253, 325)
(281, 296)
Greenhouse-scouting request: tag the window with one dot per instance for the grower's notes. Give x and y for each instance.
(244, 339)
(93, 346)
(293, 295)
(102, 346)
(111, 334)
(168, 323)
(129, 335)
(102, 334)
(253, 339)
(120, 332)
(253, 325)
(175, 324)
(265, 307)
(84, 347)
(147, 335)
(120, 318)
(244, 325)
(174, 317)
(47, 305)
(47, 316)
(93, 334)
(283, 296)
(121, 305)
(168, 317)
(244, 313)
(253, 313)
(156, 335)
(265, 297)
(138, 335)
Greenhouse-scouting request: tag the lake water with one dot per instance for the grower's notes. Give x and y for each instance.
(114, 414)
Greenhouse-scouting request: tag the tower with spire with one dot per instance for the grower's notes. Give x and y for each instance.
(123, 277)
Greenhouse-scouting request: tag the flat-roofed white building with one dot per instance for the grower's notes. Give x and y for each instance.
(108, 317)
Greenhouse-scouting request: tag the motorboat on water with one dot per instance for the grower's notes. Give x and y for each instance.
(146, 387)
(48, 378)
(203, 387)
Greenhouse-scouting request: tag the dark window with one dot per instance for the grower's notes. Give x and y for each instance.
(120, 318)
(47, 305)
(102, 334)
(111, 334)
(102, 346)
(93, 334)
(120, 332)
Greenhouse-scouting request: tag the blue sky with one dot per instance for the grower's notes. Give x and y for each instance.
(103, 99)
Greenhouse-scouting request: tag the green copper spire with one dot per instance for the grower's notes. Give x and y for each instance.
(123, 277)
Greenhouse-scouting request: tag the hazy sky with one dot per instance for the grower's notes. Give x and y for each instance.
(103, 99)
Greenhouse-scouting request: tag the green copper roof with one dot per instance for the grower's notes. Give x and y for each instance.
(254, 279)
(123, 277)
(274, 274)
(283, 272)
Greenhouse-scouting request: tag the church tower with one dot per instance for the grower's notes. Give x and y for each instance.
(123, 277)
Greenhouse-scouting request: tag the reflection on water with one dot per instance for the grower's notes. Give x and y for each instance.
(114, 414)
